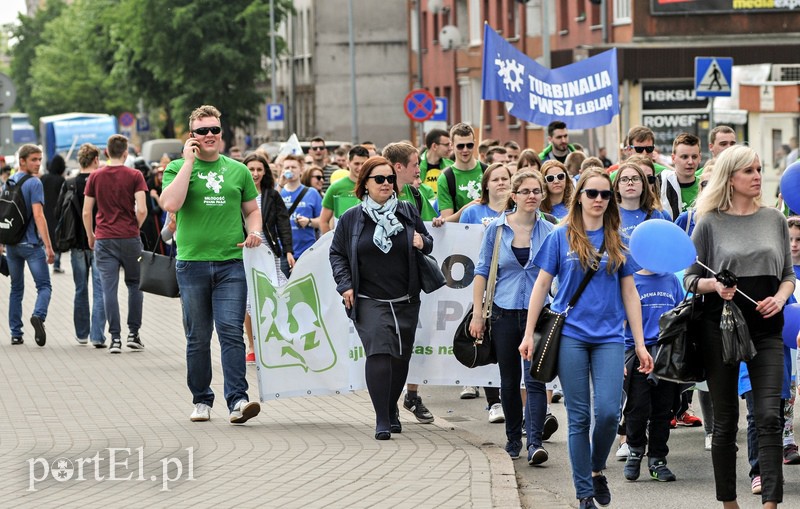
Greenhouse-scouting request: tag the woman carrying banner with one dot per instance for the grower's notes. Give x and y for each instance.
(592, 344)
(375, 269)
(523, 234)
(734, 232)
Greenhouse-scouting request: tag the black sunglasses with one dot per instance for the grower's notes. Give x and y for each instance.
(318, 177)
(380, 179)
(552, 178)
(317, 148)
(651, 179)
(649, 149)
(462, 146)
(202, 131)
(593, 193)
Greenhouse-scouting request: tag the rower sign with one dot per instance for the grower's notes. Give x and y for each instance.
(419, 105)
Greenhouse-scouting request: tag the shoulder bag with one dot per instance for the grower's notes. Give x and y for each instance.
(679, 358)
(157, 273)
(471, 351)
(547, 334)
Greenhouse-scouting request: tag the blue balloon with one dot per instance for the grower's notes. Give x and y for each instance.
(791, 324)
(661, 246)
(790, 186)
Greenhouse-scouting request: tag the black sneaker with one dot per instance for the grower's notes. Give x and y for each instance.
(394, 421)
(134, 341)
(513, 448)
(587, 503)
(38, 327)
(633, 465)
(17, 340)
(659, 470)
(602, 495)
(419, 410)
(116, 346)
(550, 427)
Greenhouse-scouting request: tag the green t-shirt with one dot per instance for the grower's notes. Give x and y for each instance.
(209, 224)
(428, 193)
(428, 212)
(430, 176)
(468, 188)
(689, 194)
(340, 197)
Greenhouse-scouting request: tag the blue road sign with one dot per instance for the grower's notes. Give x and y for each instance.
(713, 76)
(142, 124)
(275, 113)
(419, 105)
(440, 112)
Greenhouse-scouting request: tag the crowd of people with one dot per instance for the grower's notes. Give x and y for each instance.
(563, 219)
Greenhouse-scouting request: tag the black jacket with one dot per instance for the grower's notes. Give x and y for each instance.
(275, 222)
(344, 249)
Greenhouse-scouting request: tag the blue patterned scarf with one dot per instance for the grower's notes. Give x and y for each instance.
(386, 223)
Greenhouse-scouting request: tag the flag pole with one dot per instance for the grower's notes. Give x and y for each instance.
(480, 114)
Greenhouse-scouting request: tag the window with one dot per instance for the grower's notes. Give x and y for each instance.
(622, 12)
(435, 35)
(594, 14)
(563, 16)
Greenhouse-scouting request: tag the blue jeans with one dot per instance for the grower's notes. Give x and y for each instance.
(604, 365)
(508, 328)
(110, 255)
(17, 255)
(214, 295)
(82, 261)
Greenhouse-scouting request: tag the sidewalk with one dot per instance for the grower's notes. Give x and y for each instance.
(70, 411)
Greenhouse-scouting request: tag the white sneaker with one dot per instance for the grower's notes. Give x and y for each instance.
(496, 413)
(244, 410)
(708, 442)
(202, 412)
(623, 452)
(470, 392)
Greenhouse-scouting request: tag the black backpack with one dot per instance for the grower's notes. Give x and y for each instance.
(68, 217)
(14, 216)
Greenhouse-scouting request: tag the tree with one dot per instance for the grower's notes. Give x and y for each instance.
(184, 53)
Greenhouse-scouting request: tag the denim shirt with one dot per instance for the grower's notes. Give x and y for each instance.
(514, 282)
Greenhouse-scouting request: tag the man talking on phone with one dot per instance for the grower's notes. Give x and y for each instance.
(208, 193)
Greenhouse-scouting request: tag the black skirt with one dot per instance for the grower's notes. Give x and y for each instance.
(379, 323)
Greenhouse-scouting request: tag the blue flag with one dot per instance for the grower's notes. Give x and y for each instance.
(584, 94)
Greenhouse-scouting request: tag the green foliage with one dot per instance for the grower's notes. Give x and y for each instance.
(104, 55)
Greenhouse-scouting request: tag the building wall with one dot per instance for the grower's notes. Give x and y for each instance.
(382, 70)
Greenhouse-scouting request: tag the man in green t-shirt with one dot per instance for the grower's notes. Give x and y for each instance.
(433, 161)
(208, 193)
(467, 171)
(679, 186)
(341, 196)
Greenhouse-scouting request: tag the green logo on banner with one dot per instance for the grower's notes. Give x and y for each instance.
(290, 326)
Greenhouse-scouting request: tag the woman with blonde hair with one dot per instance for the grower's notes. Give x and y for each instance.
(592, 345)
(748, 245)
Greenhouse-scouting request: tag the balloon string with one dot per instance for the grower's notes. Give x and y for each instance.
(737, 290)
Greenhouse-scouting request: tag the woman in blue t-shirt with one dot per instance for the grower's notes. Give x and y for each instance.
(495, 187)
(635, 199)
(559, 189)
(523, 234)
(592, 343)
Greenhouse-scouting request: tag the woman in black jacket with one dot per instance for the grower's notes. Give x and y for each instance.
(275, 225)
(375, 267)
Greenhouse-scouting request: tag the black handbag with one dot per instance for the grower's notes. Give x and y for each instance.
(467, 349)
(157, 274)
(431, 277)
(679, 358)
(547, 333)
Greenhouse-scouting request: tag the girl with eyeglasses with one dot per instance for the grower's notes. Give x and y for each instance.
(592, 343)
(523, 233)
(559, 189)
(375, 268)
(635, 199)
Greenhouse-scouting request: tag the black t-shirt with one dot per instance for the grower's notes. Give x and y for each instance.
(382, 275)
(80, 185)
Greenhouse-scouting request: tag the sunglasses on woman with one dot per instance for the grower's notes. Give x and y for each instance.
(552, 178)
(592, 194)
(380, 179)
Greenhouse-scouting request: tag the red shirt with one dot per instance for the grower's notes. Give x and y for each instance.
(113, 188)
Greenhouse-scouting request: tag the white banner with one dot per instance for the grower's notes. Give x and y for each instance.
(306, 345)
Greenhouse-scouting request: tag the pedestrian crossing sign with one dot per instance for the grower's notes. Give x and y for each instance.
(713, 76)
